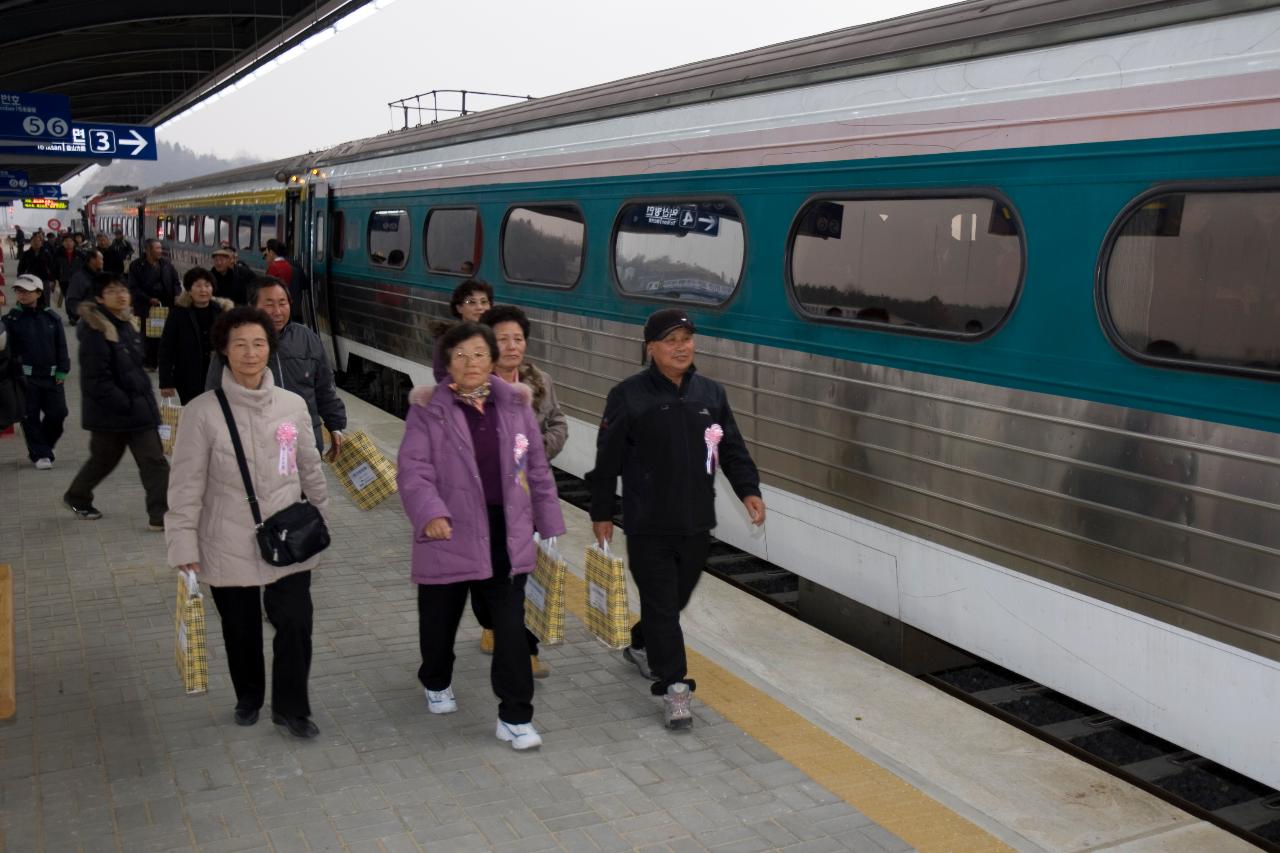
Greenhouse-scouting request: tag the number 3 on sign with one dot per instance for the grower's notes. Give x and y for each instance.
(102, 141)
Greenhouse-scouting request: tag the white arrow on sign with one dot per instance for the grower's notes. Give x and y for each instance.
(707, 222)
(138, 142)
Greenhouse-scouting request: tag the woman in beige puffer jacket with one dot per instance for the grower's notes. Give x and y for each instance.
(209, 526)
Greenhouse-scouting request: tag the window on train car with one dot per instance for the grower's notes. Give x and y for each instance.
(266, 229)
(244, 233)
(182, 229)
(210, 231)
(224, 230)
(195, 229)
(317, 236)
(544, 245)
(1191, 278)
(690, 251)
(389, 238)
(451, 239)
(949, 265)
(338, 237)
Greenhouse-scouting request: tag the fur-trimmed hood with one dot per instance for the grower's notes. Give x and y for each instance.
(184, 300)
(96, 318)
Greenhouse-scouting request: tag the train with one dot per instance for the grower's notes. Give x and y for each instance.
(994, 290)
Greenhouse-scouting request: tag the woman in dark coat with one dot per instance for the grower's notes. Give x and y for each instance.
(120, 410)
(185, 347)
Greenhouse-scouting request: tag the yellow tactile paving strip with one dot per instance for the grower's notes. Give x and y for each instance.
(899, 807)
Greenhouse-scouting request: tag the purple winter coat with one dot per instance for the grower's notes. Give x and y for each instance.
(438, 477)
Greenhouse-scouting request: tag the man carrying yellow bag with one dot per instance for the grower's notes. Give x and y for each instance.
(665, 431)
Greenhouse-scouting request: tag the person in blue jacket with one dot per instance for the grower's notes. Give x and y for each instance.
(39, 344)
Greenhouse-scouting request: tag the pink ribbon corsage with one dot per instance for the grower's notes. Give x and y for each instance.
(287, 438)
(712, 437)
(522, 447)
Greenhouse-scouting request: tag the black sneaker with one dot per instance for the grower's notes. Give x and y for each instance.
(297, 726)
(88, 512)
(156, 525)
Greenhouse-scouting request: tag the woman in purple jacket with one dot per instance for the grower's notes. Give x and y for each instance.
(474, 480)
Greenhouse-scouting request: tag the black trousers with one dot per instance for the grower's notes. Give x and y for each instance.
(480, 608)
(105, 450)
(666, 569)
(288, 603)
(440, 609)
(152, 348)
(46, 412)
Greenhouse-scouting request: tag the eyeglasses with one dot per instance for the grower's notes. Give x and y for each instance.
(476, 301)
(468, 357)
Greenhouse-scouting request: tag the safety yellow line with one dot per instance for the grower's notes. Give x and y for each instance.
(899, 807)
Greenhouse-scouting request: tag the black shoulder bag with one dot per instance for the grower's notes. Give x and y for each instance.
(295, 533)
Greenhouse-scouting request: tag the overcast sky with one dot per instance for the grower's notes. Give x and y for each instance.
(339, 90)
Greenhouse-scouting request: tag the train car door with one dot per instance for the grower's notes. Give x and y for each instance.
(316, 263)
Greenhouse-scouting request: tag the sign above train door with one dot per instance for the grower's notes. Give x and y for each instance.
(34, 117)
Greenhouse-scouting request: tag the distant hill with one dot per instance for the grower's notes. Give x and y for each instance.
(174, 163)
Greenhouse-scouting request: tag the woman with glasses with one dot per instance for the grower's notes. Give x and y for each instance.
(469, 302)
(474, 481)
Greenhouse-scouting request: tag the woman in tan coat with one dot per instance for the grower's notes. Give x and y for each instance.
(210, 528)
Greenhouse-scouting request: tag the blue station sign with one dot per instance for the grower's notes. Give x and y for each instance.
(32, 191)
(91, 141)
(12, 179)
(32, 116)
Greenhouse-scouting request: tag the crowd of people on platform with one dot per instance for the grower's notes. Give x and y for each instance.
(473, 468)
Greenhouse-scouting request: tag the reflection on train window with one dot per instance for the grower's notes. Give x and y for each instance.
(1193, 277)
(195, 229)
(544, 244)
(244, 233)
(452, 239)
(930, 264)
(182, 229)
(317, 236)
(339, 226)
(210, 231)
(224, 230)
(266, 230)
(690, 251)
(170, 228)
(389, 238)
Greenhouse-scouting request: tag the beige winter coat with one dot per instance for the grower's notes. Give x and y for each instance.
(209, 521)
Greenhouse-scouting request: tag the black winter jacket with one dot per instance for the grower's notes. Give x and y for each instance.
(38, 342)
(653, 435)
(37, 264)
(152, 281)
(80, 289)
(114, 384)
(13, 405)
(184, 352)
(234, 284)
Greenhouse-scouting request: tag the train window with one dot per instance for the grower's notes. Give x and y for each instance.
(210, 231)
(195, 229)
(1190, 279)
(691, 251)
(182, 229)
(544, 244)
(947, 265)
(317, 236)
(389, 238)
(266, 229)
(451, 239)
(244, 233)
(224, 230)
(339, 225)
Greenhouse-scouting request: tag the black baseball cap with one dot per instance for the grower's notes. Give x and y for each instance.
(664, 322)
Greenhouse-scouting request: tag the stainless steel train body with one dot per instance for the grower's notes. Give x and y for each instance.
(995, 291)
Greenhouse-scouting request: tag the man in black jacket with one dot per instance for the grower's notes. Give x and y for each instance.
(231, 279)
(35, 260)
(665, 431)
(119, 404)
(38, 342)
(153, 282)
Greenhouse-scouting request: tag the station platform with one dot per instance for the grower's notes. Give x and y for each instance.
(800, 742)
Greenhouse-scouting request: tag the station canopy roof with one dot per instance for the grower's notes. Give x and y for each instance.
(143, 61)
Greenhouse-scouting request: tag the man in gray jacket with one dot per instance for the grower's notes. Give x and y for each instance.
(298, 365)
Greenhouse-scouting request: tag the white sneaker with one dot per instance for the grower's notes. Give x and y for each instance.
(441, 701)
(44, 464)
(519, 735)
(675, 707)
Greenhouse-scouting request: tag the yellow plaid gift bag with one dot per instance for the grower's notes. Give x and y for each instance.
(607, 614)
(190, 647)
(155, 320)
(170, 413)
(369, 476)
(544, 595)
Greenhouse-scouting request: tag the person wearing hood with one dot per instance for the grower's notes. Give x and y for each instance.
(185, 347)
(119, 406)
(474, 481)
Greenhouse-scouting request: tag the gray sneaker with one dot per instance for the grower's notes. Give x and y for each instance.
(675, 706)
(640, 658)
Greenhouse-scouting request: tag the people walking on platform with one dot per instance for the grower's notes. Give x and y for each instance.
(66, 260)
(475, 484)
(665, 431)
(119, 406)
(232, 279)
(35, 261)
(13, 407)
(276, 256)
(122, 247)
(299, 364)
(467, 304)
(111, 260)
(39, 344)
(81, 286)
(19, 241)
(186, 346)
(511, 330)
(209, 528)
(153, 282)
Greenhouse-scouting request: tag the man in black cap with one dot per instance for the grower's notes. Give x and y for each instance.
(665, 431)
